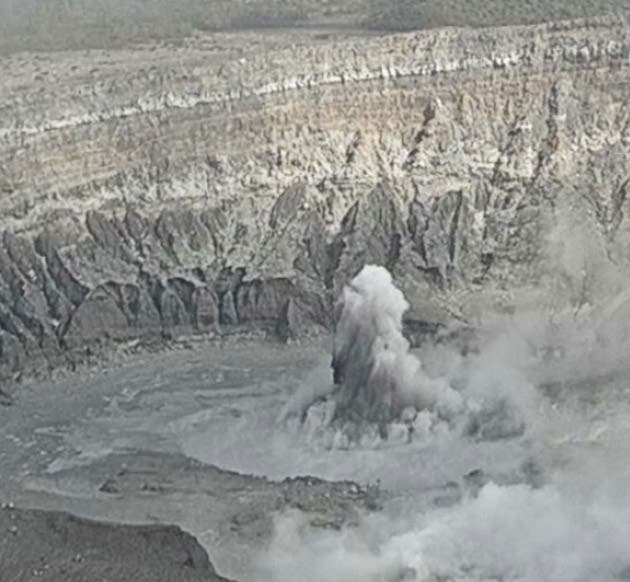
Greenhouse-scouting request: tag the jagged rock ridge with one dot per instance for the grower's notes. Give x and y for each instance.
(239, 181)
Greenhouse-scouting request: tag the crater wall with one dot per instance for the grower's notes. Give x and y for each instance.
(237, 181)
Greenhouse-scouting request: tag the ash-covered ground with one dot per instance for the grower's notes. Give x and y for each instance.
(523, 478)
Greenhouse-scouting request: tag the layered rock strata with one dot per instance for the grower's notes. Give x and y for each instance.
(238, 181)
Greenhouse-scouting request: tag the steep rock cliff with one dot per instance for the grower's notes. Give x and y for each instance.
(237, 181)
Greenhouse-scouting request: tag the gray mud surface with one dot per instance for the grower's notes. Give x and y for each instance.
(172, 437)
(102, 445)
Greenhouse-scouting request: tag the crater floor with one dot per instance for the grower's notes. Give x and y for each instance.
(141, 442)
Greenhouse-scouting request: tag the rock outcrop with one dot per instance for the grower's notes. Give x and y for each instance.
(56, 546)
(239, 181)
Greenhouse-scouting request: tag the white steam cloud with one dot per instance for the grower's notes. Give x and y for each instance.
(378, 382)
(559, 533)
(569, 524)
(378, 375)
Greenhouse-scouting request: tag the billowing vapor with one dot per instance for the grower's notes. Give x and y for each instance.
(378, 384)
(376, 374)
(549, 379)
(559, 533)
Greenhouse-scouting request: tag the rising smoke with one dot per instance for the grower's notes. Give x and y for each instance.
(551, 377)
(377, 382)
(558, 533)
(377, 375)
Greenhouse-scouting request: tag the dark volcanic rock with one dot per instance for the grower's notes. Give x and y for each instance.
(57, 547)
